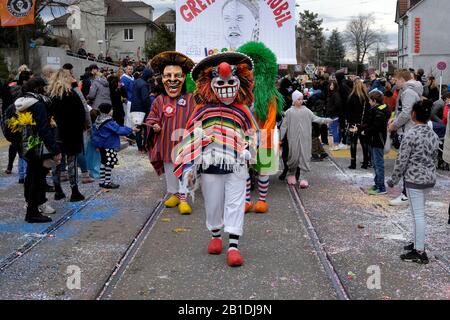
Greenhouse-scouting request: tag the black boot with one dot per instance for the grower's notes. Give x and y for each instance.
(283, 175)
(449, 214)
(59, 193)
(353, 165)
(76, 195)
(49, 188)
(34, 216)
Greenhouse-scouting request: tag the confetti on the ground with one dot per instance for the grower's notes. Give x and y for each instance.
(351, 275)
(166, 219)
(180, 229)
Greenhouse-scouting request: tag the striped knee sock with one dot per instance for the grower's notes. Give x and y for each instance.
(263, 187)
(248, 196)
(233, 242)
(181, 196)
(102, 174)
(108, 175)
(216, 234)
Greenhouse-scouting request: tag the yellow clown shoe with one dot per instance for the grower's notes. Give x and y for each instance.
(172, 202)
(184, 208)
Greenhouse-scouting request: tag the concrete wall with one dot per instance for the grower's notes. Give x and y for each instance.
(38, 59)
(435, 45)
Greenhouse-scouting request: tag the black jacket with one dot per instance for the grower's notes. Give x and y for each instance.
(141, 93)
(117, 94)
(334, 105)
(70, 120)
(376, 127)
(86, 83)
(433, 94)
(317, 103)
(356, 112)
(39, 108)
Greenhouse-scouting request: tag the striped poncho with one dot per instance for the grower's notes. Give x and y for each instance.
(162, 144)
(217, 136)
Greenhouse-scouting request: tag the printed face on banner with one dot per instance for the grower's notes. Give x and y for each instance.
(239, 23)
(207, 27)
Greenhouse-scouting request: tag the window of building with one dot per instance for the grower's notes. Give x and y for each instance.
(405, 42)
(171, 27)
(128, 35)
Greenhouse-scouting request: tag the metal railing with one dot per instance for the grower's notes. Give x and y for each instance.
(76, 55)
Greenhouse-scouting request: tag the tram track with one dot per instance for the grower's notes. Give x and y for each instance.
(128, 256)
(442, 261)
(318, 246)
(29, 245)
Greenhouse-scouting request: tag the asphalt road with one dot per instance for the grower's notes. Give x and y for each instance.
(358, 234)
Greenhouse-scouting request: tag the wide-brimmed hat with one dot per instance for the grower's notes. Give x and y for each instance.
(232, 58)
(171, 58)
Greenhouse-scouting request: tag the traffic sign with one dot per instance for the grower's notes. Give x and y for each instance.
(442, 65)
(310, 68)
(384, 67)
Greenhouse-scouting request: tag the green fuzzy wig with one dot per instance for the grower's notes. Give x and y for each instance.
(265, 73)
(190, 84)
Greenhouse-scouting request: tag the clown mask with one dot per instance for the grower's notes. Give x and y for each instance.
(225, 83)
(173, 79)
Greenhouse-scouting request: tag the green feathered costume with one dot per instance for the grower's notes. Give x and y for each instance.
(268, 104)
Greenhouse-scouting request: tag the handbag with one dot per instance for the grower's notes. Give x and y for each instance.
(396, 140)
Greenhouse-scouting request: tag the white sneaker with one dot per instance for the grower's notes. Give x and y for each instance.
(335, 148)
(46, 209)
(401, 200)
(343, 146)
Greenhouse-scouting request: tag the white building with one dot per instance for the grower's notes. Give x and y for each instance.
(115, 28)
(423, 38)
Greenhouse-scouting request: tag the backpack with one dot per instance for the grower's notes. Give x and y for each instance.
(8, 114)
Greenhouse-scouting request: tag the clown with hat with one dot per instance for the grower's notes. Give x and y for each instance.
(169, 114)
(219, 142)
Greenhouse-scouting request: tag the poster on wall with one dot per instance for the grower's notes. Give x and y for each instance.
(205, 27)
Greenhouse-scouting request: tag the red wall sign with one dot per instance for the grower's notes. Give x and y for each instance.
(417, 29)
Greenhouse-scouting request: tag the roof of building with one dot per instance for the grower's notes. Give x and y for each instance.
(167, 17)
(137, 4)
(60, 21)
(117, 13)
(403, 6)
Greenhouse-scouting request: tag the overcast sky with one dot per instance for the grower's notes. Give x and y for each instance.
(335, 13)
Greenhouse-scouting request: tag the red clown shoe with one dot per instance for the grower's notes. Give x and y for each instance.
(234, 258)
(215, 246)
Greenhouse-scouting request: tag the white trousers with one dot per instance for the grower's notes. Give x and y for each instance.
(127, 119)
(224, 196)
(172, 182)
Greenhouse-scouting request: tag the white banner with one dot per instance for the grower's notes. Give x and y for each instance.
(205, 27)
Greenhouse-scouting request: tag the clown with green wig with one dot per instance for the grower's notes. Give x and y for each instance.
(267, 105)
